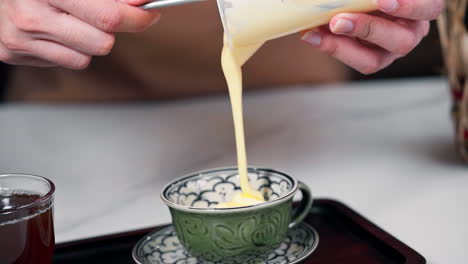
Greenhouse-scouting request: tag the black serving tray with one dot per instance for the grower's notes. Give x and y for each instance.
(345, 237)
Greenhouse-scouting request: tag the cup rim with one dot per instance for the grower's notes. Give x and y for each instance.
(186, 208)
(41, 200)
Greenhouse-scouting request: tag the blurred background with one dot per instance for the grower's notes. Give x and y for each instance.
(425, 60)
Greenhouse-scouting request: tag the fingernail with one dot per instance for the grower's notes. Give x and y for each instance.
(388, 5)
(343, 25)
(312, 37)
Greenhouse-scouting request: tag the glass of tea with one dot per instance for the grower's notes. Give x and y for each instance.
(26, 219)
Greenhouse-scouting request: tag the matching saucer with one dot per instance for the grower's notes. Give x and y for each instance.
(163, 247)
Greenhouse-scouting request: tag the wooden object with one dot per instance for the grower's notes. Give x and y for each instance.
(453, 38)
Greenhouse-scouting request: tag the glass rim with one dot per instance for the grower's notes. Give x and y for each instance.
(41, 200)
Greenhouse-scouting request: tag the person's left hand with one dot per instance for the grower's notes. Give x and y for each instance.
(371, 42)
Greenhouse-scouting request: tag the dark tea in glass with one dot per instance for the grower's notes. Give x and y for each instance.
(26, 219)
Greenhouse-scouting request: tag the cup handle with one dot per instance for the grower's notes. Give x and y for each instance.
(304, 206)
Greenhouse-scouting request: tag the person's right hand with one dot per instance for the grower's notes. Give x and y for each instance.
(67, 33)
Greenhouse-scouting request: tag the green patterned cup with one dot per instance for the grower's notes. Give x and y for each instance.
(234, 235)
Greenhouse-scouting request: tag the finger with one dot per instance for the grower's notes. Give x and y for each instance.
(8, 57)
(109, 15)
(363, 58)
(76, 34)
(65, 29)
(397, 36)
(33, 62)
(58, 54)
(412, 9)
(135, 2)
(14, 59)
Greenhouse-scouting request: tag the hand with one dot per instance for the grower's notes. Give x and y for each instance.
(66, 33)
(371, 42)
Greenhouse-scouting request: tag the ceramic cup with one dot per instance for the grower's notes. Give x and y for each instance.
(234, 235)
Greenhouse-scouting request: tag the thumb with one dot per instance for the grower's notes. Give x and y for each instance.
(136, 2)
(412, 9)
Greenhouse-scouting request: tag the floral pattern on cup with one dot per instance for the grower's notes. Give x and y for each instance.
(163, 247)
(258, 230)
(210, 190)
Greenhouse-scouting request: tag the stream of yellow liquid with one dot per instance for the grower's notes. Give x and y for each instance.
(276, 16)
(232, 59)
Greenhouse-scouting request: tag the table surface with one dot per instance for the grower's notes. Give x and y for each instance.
(383, 148)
